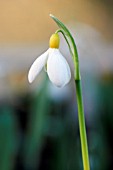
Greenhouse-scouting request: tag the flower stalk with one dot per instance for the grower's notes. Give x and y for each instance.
(73, 50)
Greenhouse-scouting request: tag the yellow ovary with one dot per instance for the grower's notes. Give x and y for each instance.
(54, 41)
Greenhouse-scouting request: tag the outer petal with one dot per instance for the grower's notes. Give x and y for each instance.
(37, 66)
(57, 68)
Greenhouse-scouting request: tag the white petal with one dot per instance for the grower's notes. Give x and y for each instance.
(37, 66)
(57, 68)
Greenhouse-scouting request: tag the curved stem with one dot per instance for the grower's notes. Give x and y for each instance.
(74, 53)
(59, 30)
(81, 118)
(73, 49)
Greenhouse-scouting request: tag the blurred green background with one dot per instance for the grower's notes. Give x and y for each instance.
(38, 122)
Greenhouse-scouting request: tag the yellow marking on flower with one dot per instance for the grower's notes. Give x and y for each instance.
(54, 41)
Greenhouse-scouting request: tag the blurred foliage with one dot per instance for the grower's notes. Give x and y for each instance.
(8, 139)
(39, 133)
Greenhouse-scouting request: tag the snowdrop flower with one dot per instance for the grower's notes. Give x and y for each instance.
(56, 65)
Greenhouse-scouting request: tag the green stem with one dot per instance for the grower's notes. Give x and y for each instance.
(59, 30)
(73, 50)
(82, 127)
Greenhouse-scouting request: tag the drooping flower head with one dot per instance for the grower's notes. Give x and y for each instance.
(57, 67)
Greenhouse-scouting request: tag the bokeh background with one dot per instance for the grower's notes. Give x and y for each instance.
(38, 122)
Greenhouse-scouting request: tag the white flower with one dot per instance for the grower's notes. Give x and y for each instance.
(58, 69)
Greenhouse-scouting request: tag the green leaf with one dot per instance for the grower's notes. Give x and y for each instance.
(61, 25)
